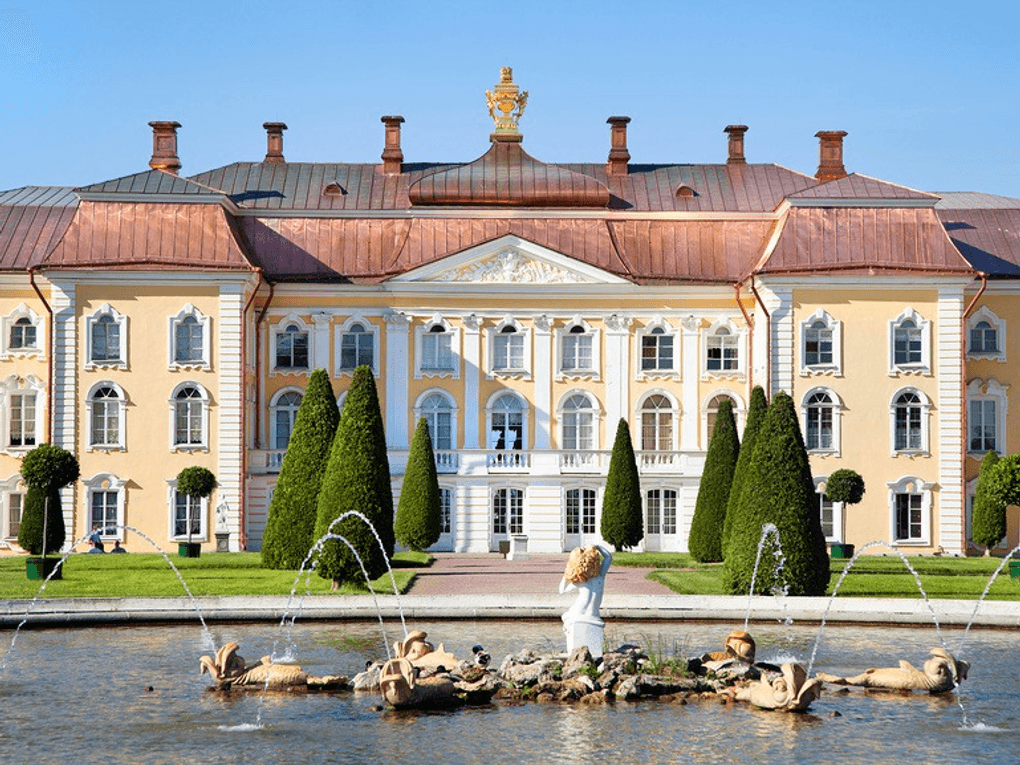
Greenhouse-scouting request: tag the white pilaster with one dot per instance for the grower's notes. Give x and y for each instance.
(321, 321)
(230, 403)
(690, 373)
(949, 372)
(395, 379)
(616, 367)
(543, 381)
(472, 366)
(64, 396)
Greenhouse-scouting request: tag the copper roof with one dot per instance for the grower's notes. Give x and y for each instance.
(151, 182)
(862, 187)
(32, 220)
(988, 236)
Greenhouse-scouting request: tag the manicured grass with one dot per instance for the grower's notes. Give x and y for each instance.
(148, 575)
(871, 576)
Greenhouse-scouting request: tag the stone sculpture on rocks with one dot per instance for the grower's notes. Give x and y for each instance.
(586, 572)
(791, 691)
(940, 674)
(228, 670)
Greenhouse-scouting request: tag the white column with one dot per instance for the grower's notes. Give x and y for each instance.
(472, 364)
(320, 340)
(543, 377)
(616, 367)
(228, 412)
(690, 374)
(394, 378)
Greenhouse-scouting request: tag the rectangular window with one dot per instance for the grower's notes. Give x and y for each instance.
(508, 351)
(187, 511)
(188, 340)
(508, 511)
(722, 353)
(577, 353)
(22, 415)
(105, 339)
(908, 428)
(656, 352)
(357, 349)
(907, 344)
(437, 351)
(292, 349)
(661, 511)
(580, 511)
(817, 346)
(908, 517)
(819, 427)
(981, 424)
(103, 515)
(105, 423)
(445, 511)
(14, 508)
(825, 510)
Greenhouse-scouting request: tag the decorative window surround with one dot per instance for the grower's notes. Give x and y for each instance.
(658, 414)
(283, 411)
(12, 501)
(909, 344)
(578, 351)
(349, 342)
(189, 328)
(986, 335)
(834, 508)
(821, 345)
(442, 346)
(987, 407)
(579, 415)
(106, 405)
(709, 408)
(22, 334)
(189, 418)
(22, 407)
(98, 489)
(508, 350)
(910, 511)
(293, 329)
(821, 414)
(725, 354)
(196, 508)
(909, 412)
(106, 339)
(439, 409)
(657, 351)
(506, 415)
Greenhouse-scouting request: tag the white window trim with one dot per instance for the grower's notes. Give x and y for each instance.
(993, 390)
(90, 402)
(646, 489)
(13, 485)
(455, 351)
(204, 396)
(453, 510)
(203, 520)
(657, 322)
(924, 451)
(911, 485)
(837, 511)
(596, 350)
(7, 322)
(121, 321)
(599, 493)
(205, 322)
(924, 326)
(491, 333)
(740, 337)
(274, 404)
(493, 491)
(836, 328)
(837, 417)
(596, 423)
(15, 385)
(338, 338)
(674, 411)
(525, 416)
(984, 313)
(281, 326)
(105, 482)
(454, 409)
(739, 412)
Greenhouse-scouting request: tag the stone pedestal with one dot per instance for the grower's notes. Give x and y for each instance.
(584, 630)
(222, 541)
(518, 547)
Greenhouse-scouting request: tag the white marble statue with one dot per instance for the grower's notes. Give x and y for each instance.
(586, 572)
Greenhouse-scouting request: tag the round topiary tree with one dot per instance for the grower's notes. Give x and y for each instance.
(845, 486)
(46, 470)
(290, 525)
(419, 512)
(988, 524)
(622, 516)
(705, 541)
(755, 417)
(357, 478)
(195, 481)
(779, 489)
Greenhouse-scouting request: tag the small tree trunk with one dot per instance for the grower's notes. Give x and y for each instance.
(334, 585)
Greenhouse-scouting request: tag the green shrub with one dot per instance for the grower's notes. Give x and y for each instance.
(622, 515)
(845, 486)
(988, 525)
(705, 542)
(779, 490)
(196, 482)
(357, 478)
(1004, 480)
(419, 513)
(755, 417)
(290, 527)
(46, 470)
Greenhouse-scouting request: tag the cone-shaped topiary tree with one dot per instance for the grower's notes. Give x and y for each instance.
(419, 512)
(988, 525)
(622, 517)
(292, 513)
(705, 541)
(755, 417)
(779, 489)
(357, 478)
(46, 470)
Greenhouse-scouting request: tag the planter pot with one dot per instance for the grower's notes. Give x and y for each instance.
(190, 549)
(841, 551)
(41, 568)
(1014, 569)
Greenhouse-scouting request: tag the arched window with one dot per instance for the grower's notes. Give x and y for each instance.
(438, 413)
(577, 417)
(657, 351)
(357, 347)
(189, 338)
(292, 347)
(819, 428)
(21, 333)
(107, 336)
(908, 422)
(189, 413)
(713, 411)
(506, 423)
(986, 335)
(106, 416)
(576, 350)
(722, 352)
(284, 411)
(437, 349)
(910, 343)
(657, 423)
(508, 350)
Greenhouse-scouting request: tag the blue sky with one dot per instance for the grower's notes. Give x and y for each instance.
(927, 90)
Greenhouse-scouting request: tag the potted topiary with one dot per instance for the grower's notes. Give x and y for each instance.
(46, 470)
(844, 486)
(194, 482)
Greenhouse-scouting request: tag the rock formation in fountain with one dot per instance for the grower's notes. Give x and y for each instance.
(789, 692)
(401, 681)
(228, 670)
(940, 674)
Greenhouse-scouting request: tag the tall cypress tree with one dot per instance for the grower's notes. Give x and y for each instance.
(779, 489)
(705, 542)
(755, 417)
(622, 517)
(419, 513)
(291, 523)
(988, 525)
(357, 478)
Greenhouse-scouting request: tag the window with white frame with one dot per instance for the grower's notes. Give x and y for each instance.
(821, 344)
(187, 516)
(21, 407)
(909, 421)
(830, 513)
(711, 411)
(578, 349)
(658, 349)
(22, 333)
(104, 505)
(189, 417)
(660, 511)
(436, 349)
(909, 343)
(987, 406)
(509, 348)
(658, 423)
(12, 505)
(438, 410)
(283, 414)
(577, 423)
(291, 347)
(508, 511)
(358, 346)
(580, 511)
(821, 421)
(106, 338)
(507, 421)
(910, 509)
(106, 406)
(722, 349)
(986, 335)
(189, 339)
(445, 510)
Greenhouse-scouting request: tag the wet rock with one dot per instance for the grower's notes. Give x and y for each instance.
(596, 698)
(369, 679)
(580, 659)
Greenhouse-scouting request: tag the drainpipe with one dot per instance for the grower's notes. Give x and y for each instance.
(768, 341)
(750, 345)
(258, 366)
(49, 356)
(241, 536)
(963, 404)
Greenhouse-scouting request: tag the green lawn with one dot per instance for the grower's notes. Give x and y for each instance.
(148, 575)
(871, 576)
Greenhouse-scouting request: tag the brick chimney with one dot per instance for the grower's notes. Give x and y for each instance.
(830, 155)
(736, 144)
(618, 154)
(164, 146)
(392, 155)
(274, 142)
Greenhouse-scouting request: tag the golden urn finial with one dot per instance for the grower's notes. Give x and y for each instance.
(506, 106)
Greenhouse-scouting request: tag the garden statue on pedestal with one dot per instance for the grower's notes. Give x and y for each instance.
(586, 572)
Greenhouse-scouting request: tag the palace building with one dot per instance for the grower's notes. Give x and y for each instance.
(523, 307)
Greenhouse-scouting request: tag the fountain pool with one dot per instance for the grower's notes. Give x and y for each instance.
(82, 695)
